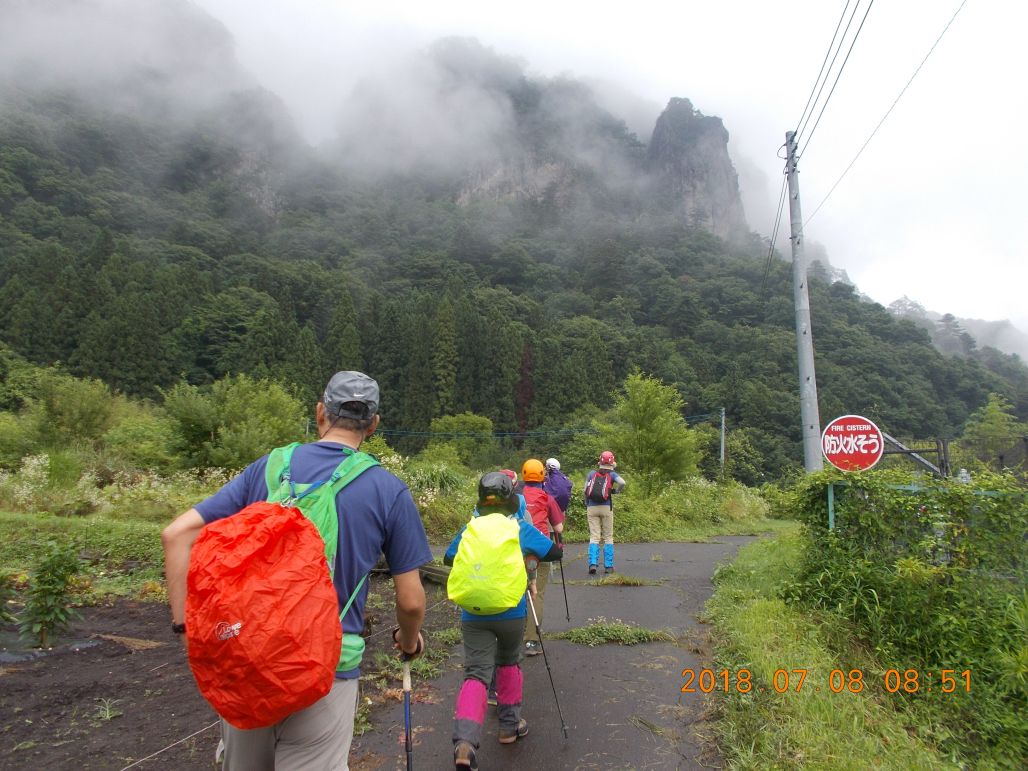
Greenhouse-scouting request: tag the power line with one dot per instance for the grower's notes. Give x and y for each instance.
(561, 432)
(801, 128)
(819, 74)
(774, 234)
(887, 113)
(839, 73)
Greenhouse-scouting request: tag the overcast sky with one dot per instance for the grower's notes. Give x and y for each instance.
(934, 209)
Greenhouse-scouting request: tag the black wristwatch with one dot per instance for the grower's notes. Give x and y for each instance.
(178, 628)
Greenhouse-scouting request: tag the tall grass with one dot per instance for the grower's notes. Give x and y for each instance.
(814, 728)
(680, 511)
(931, 575)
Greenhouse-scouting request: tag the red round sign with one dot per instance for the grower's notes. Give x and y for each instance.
(852, 443)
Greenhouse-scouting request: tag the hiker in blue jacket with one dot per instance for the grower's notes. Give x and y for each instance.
(493, 641)
(600, 484)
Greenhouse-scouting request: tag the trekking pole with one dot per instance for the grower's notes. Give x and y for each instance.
(563, 583)
(539, 632)
(407, 743)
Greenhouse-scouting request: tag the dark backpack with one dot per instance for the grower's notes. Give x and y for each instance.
(598, 489)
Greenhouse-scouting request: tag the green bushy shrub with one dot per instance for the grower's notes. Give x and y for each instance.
(17, 439)
(144, 438)
(932, 575)
(234, 421)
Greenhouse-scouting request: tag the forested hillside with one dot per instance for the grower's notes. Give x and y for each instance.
(147, 239)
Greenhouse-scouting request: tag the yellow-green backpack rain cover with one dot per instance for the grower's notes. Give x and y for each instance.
(488, 574)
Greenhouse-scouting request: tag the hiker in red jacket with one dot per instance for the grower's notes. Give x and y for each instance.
(548, 517)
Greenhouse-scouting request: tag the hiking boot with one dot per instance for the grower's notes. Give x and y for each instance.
(608, 570)
(509, 736)
(532, 648)
(491, 698)
(592, 570)
(464, 758)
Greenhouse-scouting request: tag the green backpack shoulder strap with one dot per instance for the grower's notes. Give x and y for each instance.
(319, 508)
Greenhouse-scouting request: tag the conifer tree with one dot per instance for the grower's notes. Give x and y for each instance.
(444, 359)
(343, 341)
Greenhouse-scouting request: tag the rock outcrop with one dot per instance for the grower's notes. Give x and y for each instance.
(688, 158)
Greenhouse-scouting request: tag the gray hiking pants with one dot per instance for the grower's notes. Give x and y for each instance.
(314, 739)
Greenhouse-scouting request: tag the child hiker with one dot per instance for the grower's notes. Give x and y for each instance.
(488, 580)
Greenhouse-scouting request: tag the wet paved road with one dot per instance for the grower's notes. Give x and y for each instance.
(622, 704)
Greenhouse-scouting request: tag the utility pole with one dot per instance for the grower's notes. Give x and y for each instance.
(812, 459)
(722, 443)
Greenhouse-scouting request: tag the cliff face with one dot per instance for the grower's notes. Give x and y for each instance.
(688, 158)
(685, 169)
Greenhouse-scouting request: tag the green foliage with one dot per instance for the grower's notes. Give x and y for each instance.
(112, 543)
(620, 579)
(679, 511)
(6, 595)
(234, 421)
(446, 638)
(650, 435)
(470, 434)
(47, 611)
(51, 483)
(163, 258)
(144, 437)
(444, 493)
(65, 410)
(600, 631)
(991, 431)
(17, 439)
(774, 725)
(932, 575)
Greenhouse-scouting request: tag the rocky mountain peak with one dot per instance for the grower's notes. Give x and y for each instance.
(688, 156)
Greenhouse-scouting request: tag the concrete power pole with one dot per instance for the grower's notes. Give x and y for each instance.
(812, 459)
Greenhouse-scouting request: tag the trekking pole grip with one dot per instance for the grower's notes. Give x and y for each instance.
(404, 656)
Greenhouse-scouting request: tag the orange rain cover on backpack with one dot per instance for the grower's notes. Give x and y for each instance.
(262, 616)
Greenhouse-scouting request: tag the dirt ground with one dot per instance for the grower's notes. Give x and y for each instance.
(116, 691)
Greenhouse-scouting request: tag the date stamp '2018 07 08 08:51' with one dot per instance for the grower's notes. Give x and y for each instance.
(838, 681)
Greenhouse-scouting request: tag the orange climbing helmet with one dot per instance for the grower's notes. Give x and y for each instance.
(532, 470)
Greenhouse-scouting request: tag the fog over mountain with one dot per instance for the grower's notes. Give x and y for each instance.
(457, 108)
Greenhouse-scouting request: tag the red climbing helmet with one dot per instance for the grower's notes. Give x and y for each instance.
(607, 458)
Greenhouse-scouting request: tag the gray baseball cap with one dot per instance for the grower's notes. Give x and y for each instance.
(351, 394)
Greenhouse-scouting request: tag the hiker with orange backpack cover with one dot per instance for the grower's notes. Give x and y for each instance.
(375, 514)
(488, 580)
(600, 484)
(547, 516)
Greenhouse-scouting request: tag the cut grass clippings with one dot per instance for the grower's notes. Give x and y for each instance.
(619, 579)
(600, 631)
(814, 728)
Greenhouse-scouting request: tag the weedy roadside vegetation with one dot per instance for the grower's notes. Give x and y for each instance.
(759, 631)
(931, 575)
(620, 579)
(601, 631)
(917, 575)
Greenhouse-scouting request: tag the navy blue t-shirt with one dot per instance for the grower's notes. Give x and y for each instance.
(377, 515)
